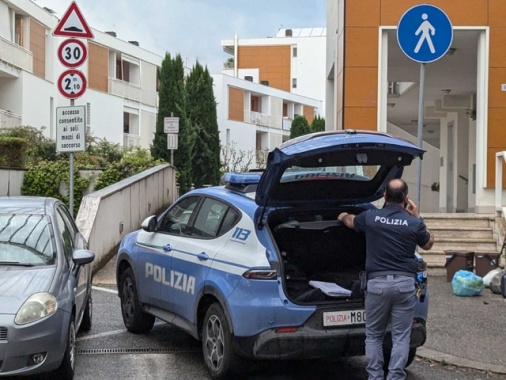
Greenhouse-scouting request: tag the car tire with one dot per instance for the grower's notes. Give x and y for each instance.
(135, 320)
(219, 355)
(66, 369)
(87, 316)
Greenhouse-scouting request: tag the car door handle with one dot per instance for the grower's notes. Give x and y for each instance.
(167, 248)
(203, 256)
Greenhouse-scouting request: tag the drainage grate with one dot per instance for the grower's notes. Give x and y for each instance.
(104, 351)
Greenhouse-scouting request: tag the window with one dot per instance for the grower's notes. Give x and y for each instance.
(67, 233)
(294, 52)
(176, 220)
(294, 82)
(210, 218)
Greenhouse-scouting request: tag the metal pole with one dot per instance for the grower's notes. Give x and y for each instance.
(172, 150)
(421, 90)
(71, 178)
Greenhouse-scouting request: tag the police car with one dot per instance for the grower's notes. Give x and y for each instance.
(260, 267)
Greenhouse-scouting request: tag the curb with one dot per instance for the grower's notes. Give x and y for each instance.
(427, 353)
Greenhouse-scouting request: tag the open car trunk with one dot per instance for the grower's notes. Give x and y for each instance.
(315, 246)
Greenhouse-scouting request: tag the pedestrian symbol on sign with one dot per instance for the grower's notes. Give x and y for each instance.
(425, 28)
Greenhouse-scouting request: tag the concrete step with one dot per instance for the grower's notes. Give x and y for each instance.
(475, 245)
(462, 232)
(460, 220)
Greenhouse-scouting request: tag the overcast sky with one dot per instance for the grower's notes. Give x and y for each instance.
(194, 28)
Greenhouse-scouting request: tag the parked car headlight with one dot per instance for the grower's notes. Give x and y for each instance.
(38, 306)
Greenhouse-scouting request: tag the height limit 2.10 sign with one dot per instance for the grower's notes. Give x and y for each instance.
(72, 84)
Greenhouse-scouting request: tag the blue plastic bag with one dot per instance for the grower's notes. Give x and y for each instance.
(467, 284)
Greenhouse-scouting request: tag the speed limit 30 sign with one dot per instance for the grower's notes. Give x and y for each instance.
(72, 84)
(72, 53)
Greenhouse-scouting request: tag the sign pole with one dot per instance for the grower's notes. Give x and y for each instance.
(71, 177)
(172, 150)
(421, 94)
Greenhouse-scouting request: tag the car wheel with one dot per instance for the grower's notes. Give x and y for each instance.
(87, 316)
(66, 369)
(135, 320)
(219, 356)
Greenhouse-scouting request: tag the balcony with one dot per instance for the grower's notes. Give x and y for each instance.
(9, 120)
(131, 140)
(125, 89)
(257, 118)
(15, 56)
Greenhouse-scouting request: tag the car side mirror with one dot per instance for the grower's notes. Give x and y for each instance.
(83, 256)
(149, 224)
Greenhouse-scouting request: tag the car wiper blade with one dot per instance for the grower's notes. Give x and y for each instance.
(16, 263)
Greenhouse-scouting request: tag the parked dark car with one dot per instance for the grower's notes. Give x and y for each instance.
(45, 287)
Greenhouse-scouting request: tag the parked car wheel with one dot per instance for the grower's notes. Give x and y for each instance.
(66, 369)
(87, 316)
(219, 356)
(136, 321)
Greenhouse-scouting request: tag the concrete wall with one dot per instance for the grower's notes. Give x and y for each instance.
(107, 215)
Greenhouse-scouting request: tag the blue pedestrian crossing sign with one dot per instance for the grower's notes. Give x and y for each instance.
(424, 33)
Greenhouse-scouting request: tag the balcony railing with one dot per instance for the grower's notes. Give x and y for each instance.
(15, 55)
(287, 123)
(257, 118)
(131, 140)
(9, 120)
(125, 89)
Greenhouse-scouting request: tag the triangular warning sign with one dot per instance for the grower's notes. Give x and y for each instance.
(73, 24)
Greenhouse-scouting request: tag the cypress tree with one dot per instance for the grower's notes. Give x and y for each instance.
(201, 111)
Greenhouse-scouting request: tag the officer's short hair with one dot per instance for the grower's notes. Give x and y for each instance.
(396, 193)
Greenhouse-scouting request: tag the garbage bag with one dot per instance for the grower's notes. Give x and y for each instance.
(466, 284)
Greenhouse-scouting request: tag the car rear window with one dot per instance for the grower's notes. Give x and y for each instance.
(25, 239)
(350, 173)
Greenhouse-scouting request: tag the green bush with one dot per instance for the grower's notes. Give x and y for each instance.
(38, 148)
(12, 151)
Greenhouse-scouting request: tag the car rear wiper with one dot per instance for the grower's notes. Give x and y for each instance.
(16, 263)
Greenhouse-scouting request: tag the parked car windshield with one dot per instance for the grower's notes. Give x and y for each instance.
(25, 239)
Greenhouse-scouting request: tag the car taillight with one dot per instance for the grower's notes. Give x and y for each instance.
(260, 274)
(283, 330)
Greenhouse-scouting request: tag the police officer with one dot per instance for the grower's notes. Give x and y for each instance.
(392, 234)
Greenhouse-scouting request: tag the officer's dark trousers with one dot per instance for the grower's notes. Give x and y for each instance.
(389, 299)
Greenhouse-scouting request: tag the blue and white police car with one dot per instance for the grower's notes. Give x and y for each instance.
(260, 267)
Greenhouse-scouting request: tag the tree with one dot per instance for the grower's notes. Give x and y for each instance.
(172, 102)
(318, 124)
(299, 127)
(201, 111)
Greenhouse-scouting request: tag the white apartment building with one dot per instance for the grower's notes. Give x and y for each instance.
(121, 98)
(265, 83)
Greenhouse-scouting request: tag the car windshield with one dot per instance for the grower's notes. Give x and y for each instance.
(350, 172)
(25, 239)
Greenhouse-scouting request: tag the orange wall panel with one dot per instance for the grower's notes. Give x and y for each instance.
(357, 14)
(98, 67)
(361, 87)
(496, 97)
(496, 13)
(497, 52)
(361, 46)
(360, 118)
(461, 12)
(308, 114)
(235, 104)
(491, 168)
(38, 48)
(273, 63)
(496, 131)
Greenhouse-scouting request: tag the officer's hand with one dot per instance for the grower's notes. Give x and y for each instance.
(411, 208)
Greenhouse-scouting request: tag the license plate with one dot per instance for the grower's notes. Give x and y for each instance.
(344, 318)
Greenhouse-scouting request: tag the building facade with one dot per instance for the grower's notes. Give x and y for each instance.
(372, 85)
(265, 83)
(121, 99)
